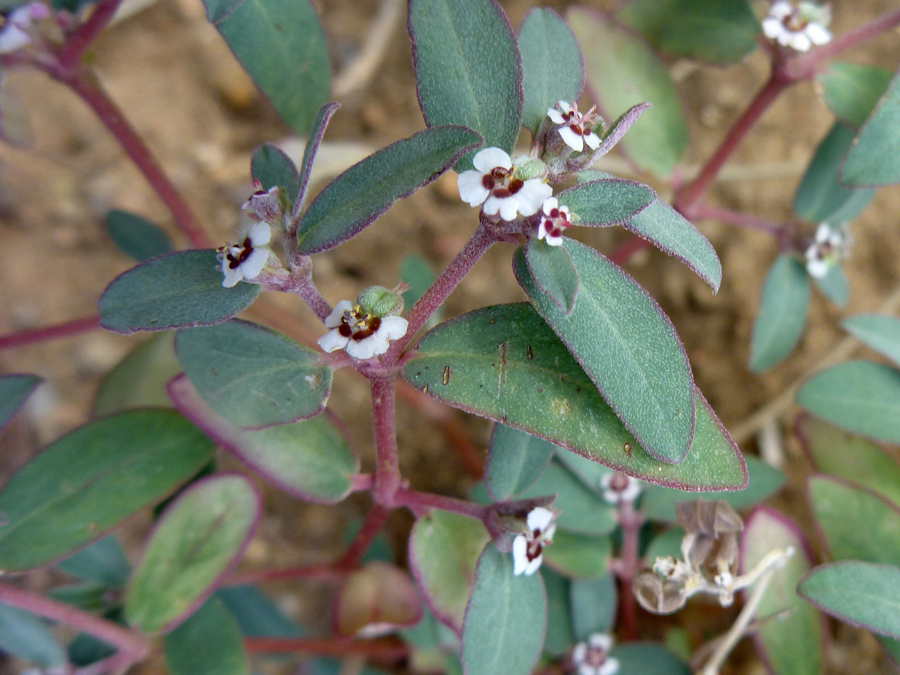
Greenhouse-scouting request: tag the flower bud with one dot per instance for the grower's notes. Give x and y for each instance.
(527, 168)
(380, 301)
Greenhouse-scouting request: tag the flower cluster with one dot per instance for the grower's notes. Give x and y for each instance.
(619, 488)
(528, 548)
(365, 329)
(826, 250)
(797, 27)
(575, 128)
(19, 24)
(495, 184)
(592, 657)
(247, 259)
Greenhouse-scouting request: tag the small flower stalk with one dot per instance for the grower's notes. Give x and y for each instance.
(592, 657)
(528, 548)
(501, 188)
(800, 27)
(245, 261)
(827, 250)
(365, 329)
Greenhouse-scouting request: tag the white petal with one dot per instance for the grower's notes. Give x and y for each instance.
(586, 669)
(823, 233)
(631, 492)
(520, 554)
(12, 38)
(579, 653)
(491, 158)
(471, 188)
(780, 9)
(550, 204)
(534, 566)
(332, 341)
(548, 533)
(532, 195)
(254, 263)
(509, 207)
(800, 42)
(567, 107)
(380, 343)
(260, 233)
(555, 116)
(393, 327)
(818, 34)
(554, 241)
(610, 667)
(492, 205)
(333, 320)
(817, 268)
(600, 641)
(232, 276)
(572, 139)
(539, 518)
(773, 28)
(593, 140)
(363, 349)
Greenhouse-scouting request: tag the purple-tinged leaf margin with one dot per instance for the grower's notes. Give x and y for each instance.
(320, 124)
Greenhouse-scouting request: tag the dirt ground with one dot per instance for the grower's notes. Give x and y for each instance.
(169, 71)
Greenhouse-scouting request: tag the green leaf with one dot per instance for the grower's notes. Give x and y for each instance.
(578, 556)
(320, 123)
(875, 157)
(851, 91)
(172, 291)
(515, 460)
(504, 363)
(199, 538)
(468, 69)
(416, 272)
(103, 562)
(795, 643)
(634, 358)
(139, 380)
(621, 72)
(356, 198)
(879, 332)
(658, 503)
(552, 67)
(647, 658)
(187, 647)
(667, 543)
(849, 457)
(25, 636)
(90, 480)
(308, 459)
(251, 376)
(553, 273)
(443, 554)
(272, 167)
(673, 234)
(718, 31)
(855, 523)
(256, 614)
(14, 390)
(86, 595)
(834, 285)
(860, 593)
(281, 45)
(820, 196)
(581, 510)
(505, 619)
(859, 396)
(593, 605)
(137, 237)
(607, 201)
(559, 637)
(782, 313)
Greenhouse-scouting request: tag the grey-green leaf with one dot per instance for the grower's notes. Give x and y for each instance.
(505, 619)
(281, 45)
(593, 603)
(581, 510)
(552, 67)
(139, 380)
(851, 91)
(782, 313)
(199, 537)
(468, 69)
(880, 332)
(356, 198)
(176, 290)
(648, 658)
(88, 481)
(103, 562)
(634, 358)
(515, 460)
(553, 273)
(186, 647)
(271, 167)
(25, 636)
(137, 237)
(858, 396)
(862, 594)
(251, 376)
(607, 201)
(14, 390)
(834, 285)
(875, 157)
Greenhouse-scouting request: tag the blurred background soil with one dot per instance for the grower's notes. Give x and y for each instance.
(178, 84)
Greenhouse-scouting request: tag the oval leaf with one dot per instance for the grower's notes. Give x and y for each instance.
(505, 363)
(356, 198)
(634, 358)
(256, 614)
(622, 71)
(212, 624)
(794, 643)
(281, 45)
(578, 556)
(858, 396)
(608, 201)
(581, 510)
(862, 594)
(139, 380)
(271, 167)
(782, 313)
(468, 69)
(851, 91)
(320, 123)
(137, 237)
(308, 459)
(199, 538)
(593, 604)
(252, 376)
(552, 67)
(25, 636)
(875, 157)
(647, 658)
(881, 333)
(506, 619)
(176, 290)
(834, 285)
(14, 390)
(90, 480)
(103, 562)
(515, 460)
(553, 273)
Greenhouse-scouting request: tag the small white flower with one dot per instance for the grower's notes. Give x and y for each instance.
(826, 251)
(247, 259)
(575, 128)
(15, 33)
(797, 27)
(362, 335)
(619, 488)
(590, 658)
(528, 548)
(554, 221)
(493, 182)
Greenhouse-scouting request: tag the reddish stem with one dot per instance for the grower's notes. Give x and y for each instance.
(387, 464)
(632, 245)
(389, 650)
(60, 330)
(304, 572)
(372, 524)
(418, 502)
(740, 219)
(630, 521)
(81, 38)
